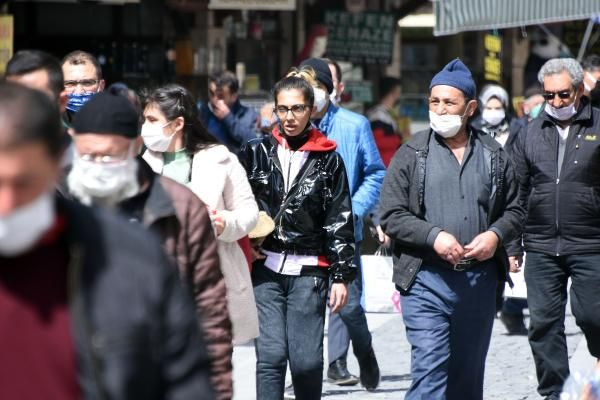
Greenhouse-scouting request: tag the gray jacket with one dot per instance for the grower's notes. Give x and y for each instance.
(402, 206)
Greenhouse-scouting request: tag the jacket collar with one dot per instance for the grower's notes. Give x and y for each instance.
(327, 120)
(158, 204)
(317, 141)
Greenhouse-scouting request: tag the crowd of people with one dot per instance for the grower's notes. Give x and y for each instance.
(144, 235)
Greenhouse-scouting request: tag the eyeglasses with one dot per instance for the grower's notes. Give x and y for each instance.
(85, 83)
(297, 110)
(565, 94)
(103, 159)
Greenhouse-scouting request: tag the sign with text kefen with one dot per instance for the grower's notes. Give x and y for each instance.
(360, 37)
(6, 41)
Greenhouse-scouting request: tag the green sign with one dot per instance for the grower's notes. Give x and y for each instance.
(360, 91)
(366, 37)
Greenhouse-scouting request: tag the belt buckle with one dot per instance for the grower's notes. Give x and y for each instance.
(463, 264)
(459, 267)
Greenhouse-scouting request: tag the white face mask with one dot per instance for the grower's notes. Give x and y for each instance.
(154, 138)
(493, 117)
(563, 113)
(21, 229)
(89, 180)
(333, 97)
(320, 99)
(446, 125)
(592, 79)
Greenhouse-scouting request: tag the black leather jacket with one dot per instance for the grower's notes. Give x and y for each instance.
(317, 211)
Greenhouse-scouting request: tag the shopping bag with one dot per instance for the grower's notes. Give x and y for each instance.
(379, 292)
(519, 289)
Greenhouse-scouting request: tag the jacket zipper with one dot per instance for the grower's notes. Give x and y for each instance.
(557, 191)
(80, 318)
(287, 185)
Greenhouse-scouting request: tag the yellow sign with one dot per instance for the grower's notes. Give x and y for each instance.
(492, 65)
(590, 137)
(492, 43)
(6, 41)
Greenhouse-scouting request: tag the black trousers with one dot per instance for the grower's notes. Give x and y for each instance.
(546, 277)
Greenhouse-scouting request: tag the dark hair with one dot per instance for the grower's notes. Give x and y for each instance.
(591, 63)
(226, 79)
(80, 57)
(338, 69)
(533, 90)
(295, 82)
(27, 61)
(28, 115)
(121, 89)
(175, 101)
(387, 84)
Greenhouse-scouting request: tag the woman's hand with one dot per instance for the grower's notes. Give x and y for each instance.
(218, 221)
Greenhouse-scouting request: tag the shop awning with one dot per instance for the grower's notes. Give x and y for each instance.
(453, 16)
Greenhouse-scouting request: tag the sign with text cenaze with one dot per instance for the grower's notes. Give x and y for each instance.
(366, 37)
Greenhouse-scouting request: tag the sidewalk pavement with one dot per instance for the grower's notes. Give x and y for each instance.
(510, 372)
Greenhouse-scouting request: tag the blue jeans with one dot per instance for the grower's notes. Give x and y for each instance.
(291, 315)
(449, 317)
(350, 322)
(546, 277)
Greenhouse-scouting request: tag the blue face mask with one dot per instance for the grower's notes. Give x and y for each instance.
(76, 101)
(535, 111)
(265, 123)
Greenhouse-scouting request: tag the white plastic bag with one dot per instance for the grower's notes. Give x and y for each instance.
(379, 292)
(519, 290)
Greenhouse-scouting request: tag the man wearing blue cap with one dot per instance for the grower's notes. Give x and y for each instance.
(449, 202)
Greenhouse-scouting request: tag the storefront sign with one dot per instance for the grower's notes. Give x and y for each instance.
(276, 5)
(492, 64)
(360, 38)
(360, 91)
(6, 41)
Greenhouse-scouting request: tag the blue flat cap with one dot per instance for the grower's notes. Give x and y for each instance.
(457, 75)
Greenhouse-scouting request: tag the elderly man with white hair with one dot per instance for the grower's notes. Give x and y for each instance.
(558, 167)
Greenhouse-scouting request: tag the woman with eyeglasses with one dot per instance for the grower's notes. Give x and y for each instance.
(180, 147)
(300, 182)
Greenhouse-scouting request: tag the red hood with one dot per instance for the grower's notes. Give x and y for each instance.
(316, 141)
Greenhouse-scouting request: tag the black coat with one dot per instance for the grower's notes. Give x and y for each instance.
(317, 219)
(402, 206)
(563, 212)
(134, 326)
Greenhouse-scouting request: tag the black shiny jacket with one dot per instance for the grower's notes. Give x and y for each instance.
(317, 216)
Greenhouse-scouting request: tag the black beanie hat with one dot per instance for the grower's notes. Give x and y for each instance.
(322, 70)
(107, 112)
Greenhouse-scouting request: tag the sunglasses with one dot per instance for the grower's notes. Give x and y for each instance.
(565, 94)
